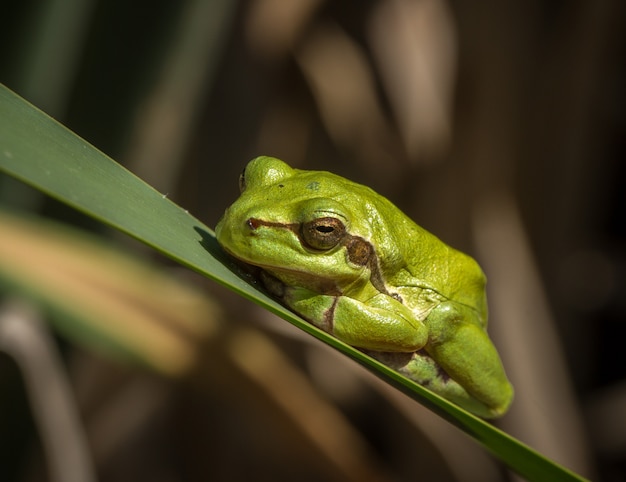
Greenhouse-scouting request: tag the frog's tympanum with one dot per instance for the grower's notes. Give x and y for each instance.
(350, 262)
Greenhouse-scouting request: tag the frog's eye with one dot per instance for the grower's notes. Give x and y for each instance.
(242, 181)
(323, 233)
(264, 171)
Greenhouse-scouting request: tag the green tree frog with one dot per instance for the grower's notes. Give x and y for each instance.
(350, 262)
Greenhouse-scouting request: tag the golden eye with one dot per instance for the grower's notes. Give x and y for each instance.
(323, 233)
(242, 181)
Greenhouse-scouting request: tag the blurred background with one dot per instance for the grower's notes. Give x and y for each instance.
(498, 126)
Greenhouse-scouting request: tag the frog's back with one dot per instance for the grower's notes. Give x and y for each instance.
(430, 263)
(448, 271)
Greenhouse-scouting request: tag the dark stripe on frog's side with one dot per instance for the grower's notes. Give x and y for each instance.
(360, 252)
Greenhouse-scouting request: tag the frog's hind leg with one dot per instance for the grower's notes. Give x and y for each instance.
(460, 345)
(425, 371)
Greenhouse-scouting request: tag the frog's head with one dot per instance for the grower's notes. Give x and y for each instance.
(304, 227)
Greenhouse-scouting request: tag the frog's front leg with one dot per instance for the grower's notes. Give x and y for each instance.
(459, 344)
(381, 323)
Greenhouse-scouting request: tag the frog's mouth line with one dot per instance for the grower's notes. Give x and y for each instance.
(327, 286)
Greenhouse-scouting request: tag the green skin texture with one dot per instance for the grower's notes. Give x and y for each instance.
(350, 262)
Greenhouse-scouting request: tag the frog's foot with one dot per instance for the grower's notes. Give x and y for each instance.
(422, 369)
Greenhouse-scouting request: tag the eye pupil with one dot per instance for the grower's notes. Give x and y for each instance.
(325, 229)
